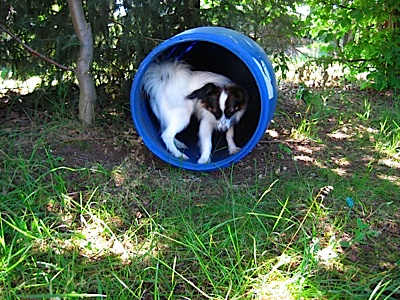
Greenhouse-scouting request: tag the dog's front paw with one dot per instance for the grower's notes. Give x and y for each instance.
(233, 150)
(203, 160)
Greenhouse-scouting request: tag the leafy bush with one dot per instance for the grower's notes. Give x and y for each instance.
(126, 31)
(362, 35)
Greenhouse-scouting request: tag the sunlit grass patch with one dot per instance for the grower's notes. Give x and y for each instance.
(388, 137)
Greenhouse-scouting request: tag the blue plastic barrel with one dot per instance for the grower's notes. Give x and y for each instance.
(222, 51)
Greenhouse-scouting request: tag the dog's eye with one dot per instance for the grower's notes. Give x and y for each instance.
(231, 111)
(215, 111)
(211, 109)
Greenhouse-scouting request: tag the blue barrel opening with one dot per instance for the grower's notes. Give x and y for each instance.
(222, 51)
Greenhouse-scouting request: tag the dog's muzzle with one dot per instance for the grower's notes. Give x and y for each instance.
(223, 124)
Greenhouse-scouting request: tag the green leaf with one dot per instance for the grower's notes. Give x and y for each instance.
(285, 148)
(361, 225)
(4, 73)
(344, 244)
(357, 15)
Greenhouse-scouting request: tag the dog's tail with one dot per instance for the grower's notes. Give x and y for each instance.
(158, 75)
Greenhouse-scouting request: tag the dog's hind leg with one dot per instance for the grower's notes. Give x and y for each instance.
(168, 137)
(179, 144)
(173, 127)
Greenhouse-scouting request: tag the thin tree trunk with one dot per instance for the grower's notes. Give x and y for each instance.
(87, 90)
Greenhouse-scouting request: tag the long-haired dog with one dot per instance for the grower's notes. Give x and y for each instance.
(176, 93)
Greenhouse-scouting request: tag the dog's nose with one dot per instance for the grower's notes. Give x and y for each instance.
(222, 128)
(223, 124)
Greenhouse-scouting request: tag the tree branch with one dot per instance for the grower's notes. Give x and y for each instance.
(34, 52)
(339, 5)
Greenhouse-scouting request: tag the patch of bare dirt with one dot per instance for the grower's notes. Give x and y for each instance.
(109, 144)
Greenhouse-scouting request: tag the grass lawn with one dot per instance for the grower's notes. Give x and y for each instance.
(311, 213)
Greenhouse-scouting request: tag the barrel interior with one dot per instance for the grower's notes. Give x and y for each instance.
(207, 56)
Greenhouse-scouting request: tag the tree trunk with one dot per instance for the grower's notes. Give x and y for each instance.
(87, 90)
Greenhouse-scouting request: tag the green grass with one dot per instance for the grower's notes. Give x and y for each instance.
(137, 231)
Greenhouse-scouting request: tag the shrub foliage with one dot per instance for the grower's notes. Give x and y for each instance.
(363, 35)
(125, 31)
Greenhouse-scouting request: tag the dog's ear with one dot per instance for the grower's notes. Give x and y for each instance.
(206, 91)
(207, 97)
(238, 93)
(238, 97)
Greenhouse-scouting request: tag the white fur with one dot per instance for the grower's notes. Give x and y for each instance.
(168, 85)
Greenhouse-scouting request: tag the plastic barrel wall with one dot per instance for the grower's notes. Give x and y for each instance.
(222, 51)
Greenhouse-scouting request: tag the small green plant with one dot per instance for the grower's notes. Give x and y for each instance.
(362, 234)
(389, 136)
(366, 110)
(303, 93)
(284, 150)
(305, 130)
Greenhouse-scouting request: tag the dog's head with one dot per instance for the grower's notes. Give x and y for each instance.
(226, 104)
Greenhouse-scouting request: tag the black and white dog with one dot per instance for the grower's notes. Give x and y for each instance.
(176, 93)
